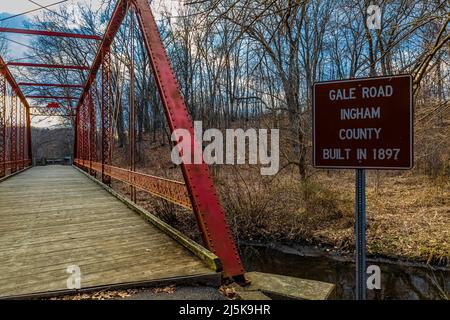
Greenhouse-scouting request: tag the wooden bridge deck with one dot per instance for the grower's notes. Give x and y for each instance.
(54, 217)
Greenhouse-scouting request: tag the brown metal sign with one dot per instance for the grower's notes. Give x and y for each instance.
(363, 123)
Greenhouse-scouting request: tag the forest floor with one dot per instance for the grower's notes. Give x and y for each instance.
(408, 214)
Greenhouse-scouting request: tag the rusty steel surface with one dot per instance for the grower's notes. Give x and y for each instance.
(53, 85)
(13, 132)
(15, 164)
(114, 24)
(170, 190)
(92, 131)
(12, 82)
(85, 131)
(198, 192)
(21, 136)
(50, 33)
(52, 112)
(17, 98)
(2, 126)
(51, 97)
(210, 214)
(106, 115)
(46, 66)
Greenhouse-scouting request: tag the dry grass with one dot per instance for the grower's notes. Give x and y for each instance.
(408, 216)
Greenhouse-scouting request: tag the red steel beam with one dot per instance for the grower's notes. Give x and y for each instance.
(51, 97)
(209, 213)
(4, 70)
(51, 33)
(55, 85)
(3, 141)
(13, 132)
(12, 82)
(45, 65)
(46, 107)
(170, 190)
(114, 24)
(211, 218)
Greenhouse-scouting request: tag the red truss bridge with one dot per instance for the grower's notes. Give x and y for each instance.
(54, 217)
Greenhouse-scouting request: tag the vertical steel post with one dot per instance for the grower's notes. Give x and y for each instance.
(92, 132)
(13, 132)
(81, 130)
(2, 126)
(76, 153)
(29, 144)
(86, 133)
(132, 130)
(360, 233)
(106, 116)
(21, 136)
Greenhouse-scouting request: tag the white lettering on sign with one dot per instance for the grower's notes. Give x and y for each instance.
(342, 94)
(377, 92)
(360, 113)
(336, 154)
(360, 134)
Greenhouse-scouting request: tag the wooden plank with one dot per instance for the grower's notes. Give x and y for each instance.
(205, 255)
(54, 216)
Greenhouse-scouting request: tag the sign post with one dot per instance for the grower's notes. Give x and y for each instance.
(363, 124)
(360, 233)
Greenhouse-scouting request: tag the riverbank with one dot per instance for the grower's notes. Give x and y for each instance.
(399, 280)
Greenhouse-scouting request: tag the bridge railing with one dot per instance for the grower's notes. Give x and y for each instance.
(15, 131)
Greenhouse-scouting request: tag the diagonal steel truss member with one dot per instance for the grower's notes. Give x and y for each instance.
(2, 126)
(52, 112)
(203, 196)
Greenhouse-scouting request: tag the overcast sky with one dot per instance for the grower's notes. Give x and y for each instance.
(20, 6)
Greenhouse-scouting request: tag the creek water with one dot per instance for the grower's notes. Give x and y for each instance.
(398, 280)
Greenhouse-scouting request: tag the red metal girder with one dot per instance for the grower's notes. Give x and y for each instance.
(46, 107)
(85, 128)
(21, 137)
(28, 128)
(46, 65)
(2, 126)
(167, 189)
(12, 82)
(210, 215)
(51, 97)
(106, 115)
(13, 132)
(51, 33)
(56, 85)
(115, 21)
(51, 112)
(76, 143)
(92, 132)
